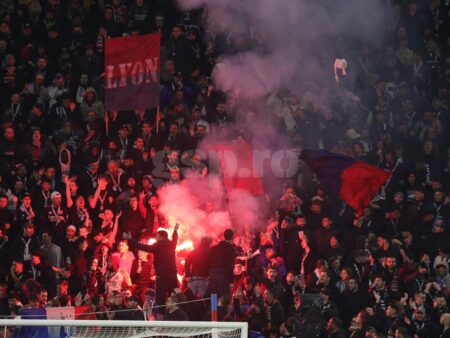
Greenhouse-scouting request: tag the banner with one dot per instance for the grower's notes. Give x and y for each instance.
(67, 312)
(132, 67)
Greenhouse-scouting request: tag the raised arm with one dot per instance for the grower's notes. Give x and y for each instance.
(142, 206)
(175, 234)
(112, 235)
(102, 184)
(69, 200)
(136, 244)
(93, 201)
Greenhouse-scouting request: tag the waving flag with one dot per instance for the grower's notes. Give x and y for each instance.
(132, 67)
(355, 182)
(237, 166)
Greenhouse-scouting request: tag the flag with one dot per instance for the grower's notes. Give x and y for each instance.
(32, 331)
(66, 312)
(132, 67)
(237, 165)
(70, 312)
(355, 182)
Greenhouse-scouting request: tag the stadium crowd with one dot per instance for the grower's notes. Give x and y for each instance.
(79, 194)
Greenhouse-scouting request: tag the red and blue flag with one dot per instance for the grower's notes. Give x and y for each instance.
(355, 182)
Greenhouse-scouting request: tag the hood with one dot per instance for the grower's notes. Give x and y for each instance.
(91, 89)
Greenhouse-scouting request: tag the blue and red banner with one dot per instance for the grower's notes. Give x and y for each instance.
(67, 312)
(355, 182)
(132, 66)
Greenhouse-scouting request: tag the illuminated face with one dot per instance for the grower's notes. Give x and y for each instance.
(237, 269)
(122, 247)
(83, 245)
(172, 156)
(127, 293)
(3, 202)
(379, 283)
(316, 208)
(80, 203)
(112, 166)
(118, 299)
(398, 198)
(173, 129)
(50, 172)
(18, 267)
(221, 108)
(146, 129)
(326, 222)
(43, 295)
(41, 63)
(351, 284)
(268, 297)
(9, 134)
(176, 32)
(35, 260)
(438, 196)
(334, 243)
(108, 215)
(142, 255)
(153, 201)
(26, 201)
(83, 232)
(94, 264)
(344, 274)
(324, 278)
(133, 203)
(28, 231)
(175, 174)
(420, 299)
(271, 274)
(301, 221)
(57, 200)
(70, 233)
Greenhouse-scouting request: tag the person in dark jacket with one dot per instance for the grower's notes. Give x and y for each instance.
(165, 266)
(134, 312)
(334, 328)
(143, 274)
(352, 301)
(132, 220)
(197, 267)
(173, 311)
(221, 266)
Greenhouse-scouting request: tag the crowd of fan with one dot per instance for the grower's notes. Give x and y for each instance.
(74, 177)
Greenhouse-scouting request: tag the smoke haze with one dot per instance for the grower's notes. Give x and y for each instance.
(272, 45)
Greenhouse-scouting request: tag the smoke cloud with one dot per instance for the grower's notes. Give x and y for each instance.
(271, 45)
(286, 43)
(202, 209)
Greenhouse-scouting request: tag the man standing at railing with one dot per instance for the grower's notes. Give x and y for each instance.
(221, 266)
(165, 266)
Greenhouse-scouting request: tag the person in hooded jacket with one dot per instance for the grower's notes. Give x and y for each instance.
(91, 103)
